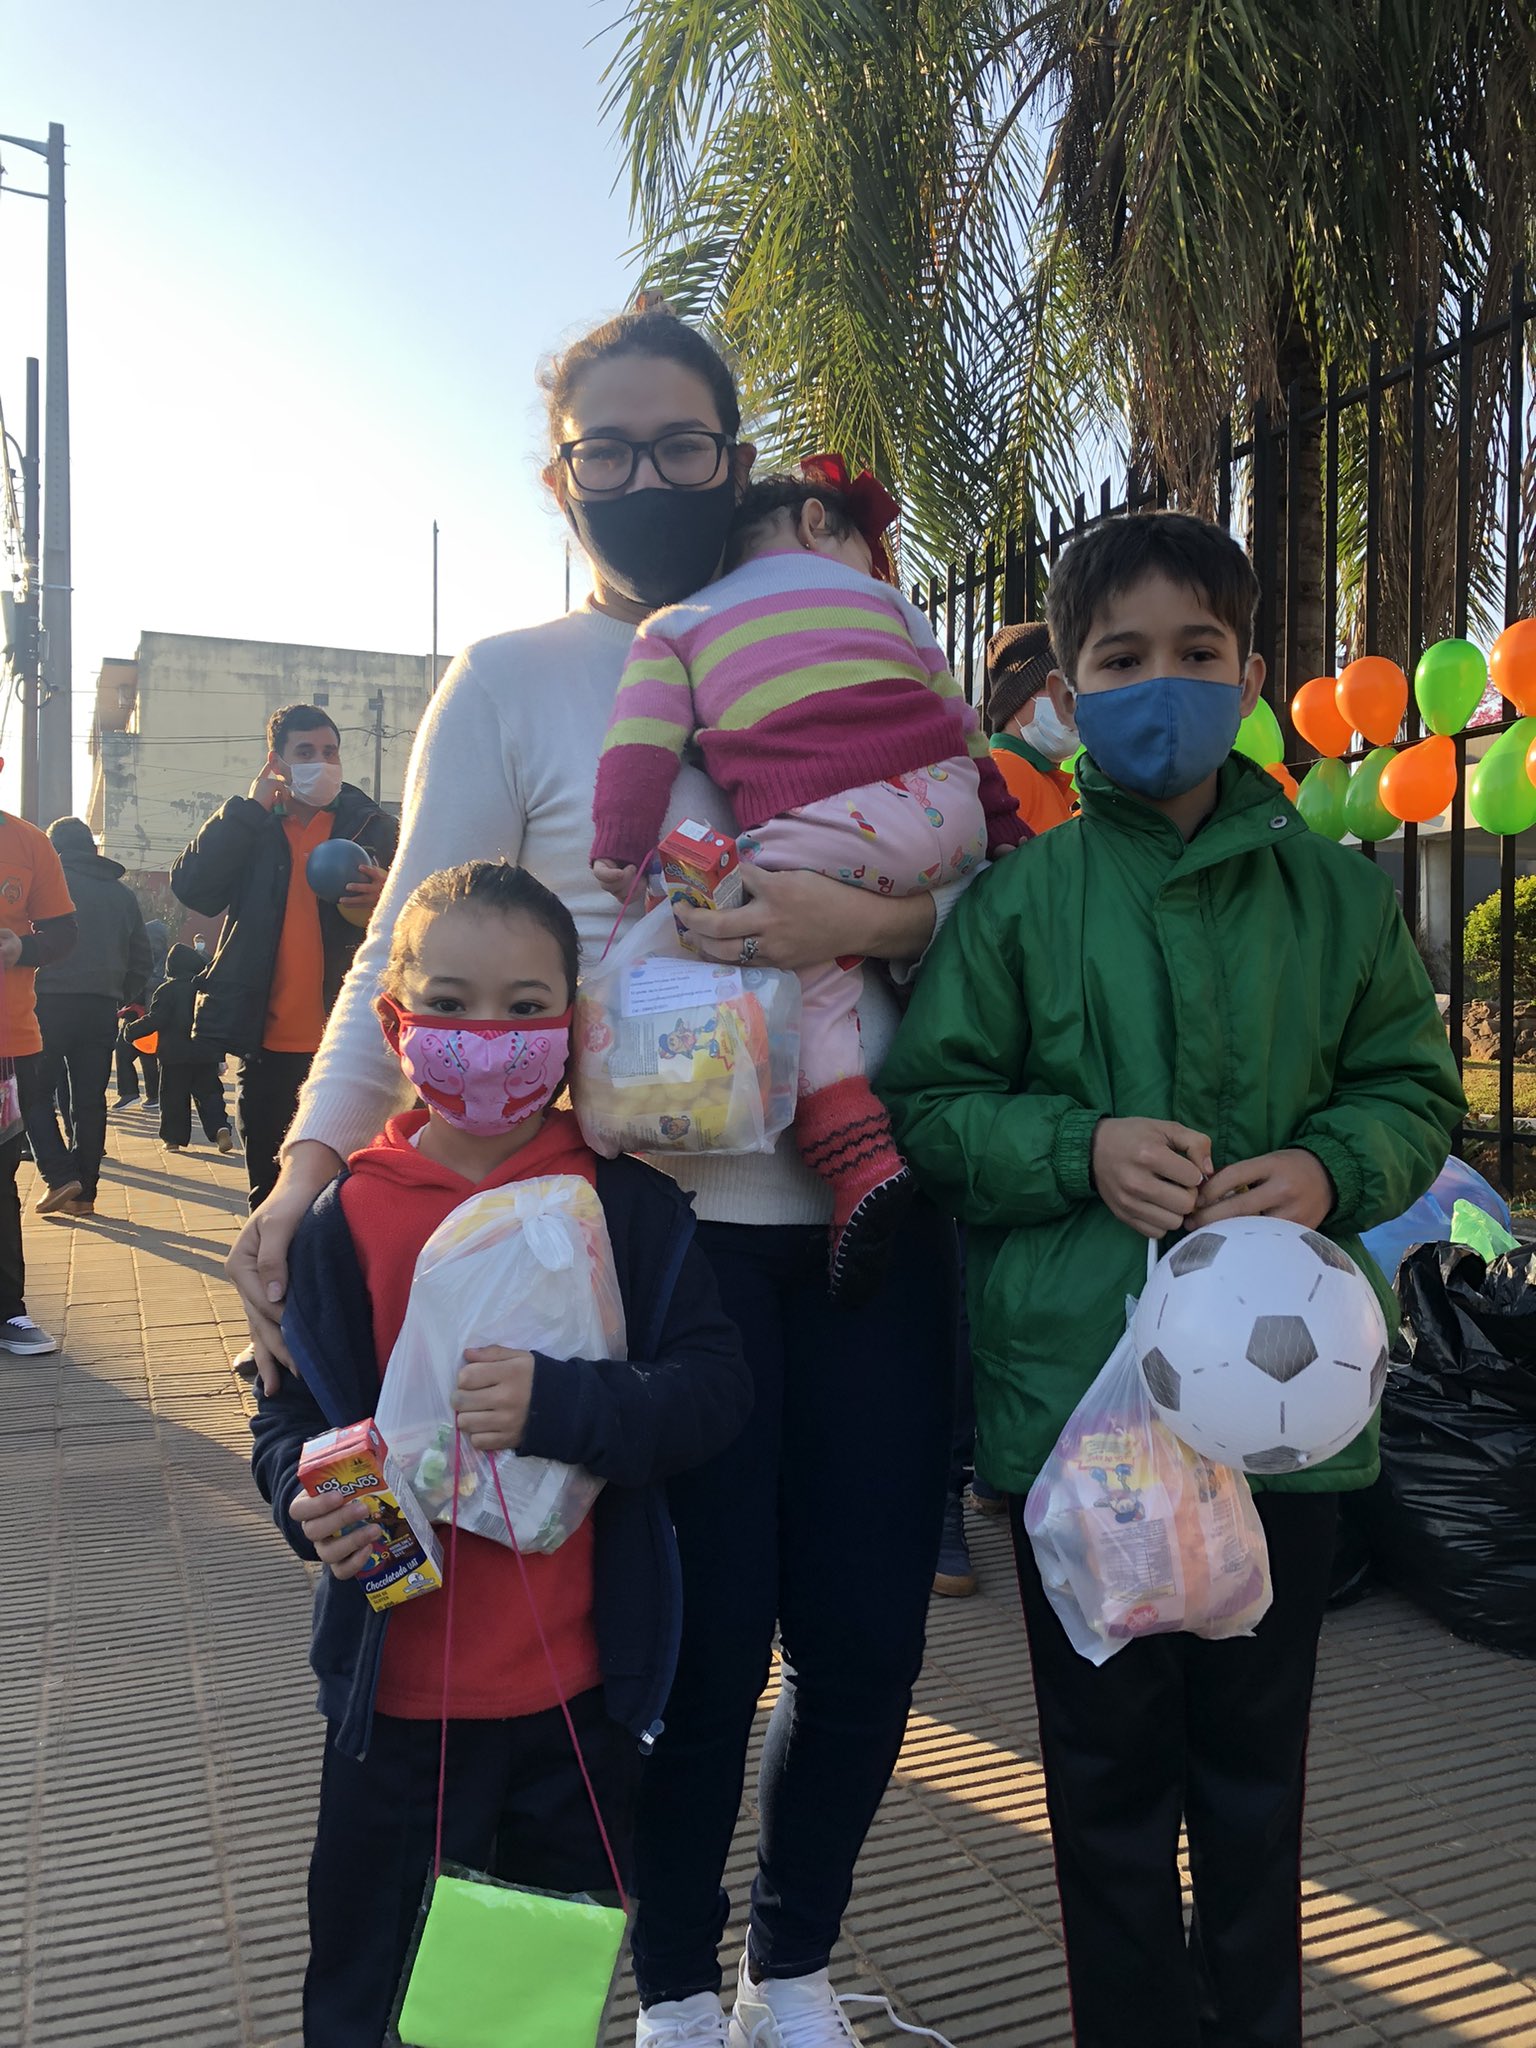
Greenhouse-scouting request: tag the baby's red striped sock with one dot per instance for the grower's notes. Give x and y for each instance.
(844, 1135)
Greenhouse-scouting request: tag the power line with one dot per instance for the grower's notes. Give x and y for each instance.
(223, 739)
(161, 694)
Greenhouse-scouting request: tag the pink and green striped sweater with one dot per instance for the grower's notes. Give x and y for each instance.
(800, 678)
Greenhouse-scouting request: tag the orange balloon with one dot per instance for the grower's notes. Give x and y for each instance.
(1512, 665)
(1419, 783)
(1315, 715)
(1372, 697)
(1283, 776)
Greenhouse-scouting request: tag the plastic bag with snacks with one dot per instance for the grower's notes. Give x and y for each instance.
(528, 1267)
(1137, 1535)
(673, 1054)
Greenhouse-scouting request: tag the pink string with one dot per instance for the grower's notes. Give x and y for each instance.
(538, 1622)
(640, 873)
(453, 1580)
(581, 1762)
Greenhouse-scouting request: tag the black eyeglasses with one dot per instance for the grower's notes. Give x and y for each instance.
(687, 458)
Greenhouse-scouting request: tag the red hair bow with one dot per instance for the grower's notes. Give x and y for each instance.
(874, 509)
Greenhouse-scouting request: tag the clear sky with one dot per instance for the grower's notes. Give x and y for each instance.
(316, 251)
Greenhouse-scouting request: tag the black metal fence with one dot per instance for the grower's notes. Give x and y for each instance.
(1381, 516)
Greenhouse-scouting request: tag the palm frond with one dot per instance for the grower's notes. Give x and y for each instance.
(961, 239)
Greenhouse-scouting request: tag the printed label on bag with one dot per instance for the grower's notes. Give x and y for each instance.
(652, 986)
(1129, 1530)
(689, 1051)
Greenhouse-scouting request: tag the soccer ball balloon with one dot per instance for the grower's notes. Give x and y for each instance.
(1262, 1345)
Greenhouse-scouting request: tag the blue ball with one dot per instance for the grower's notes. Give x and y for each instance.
(333, 865)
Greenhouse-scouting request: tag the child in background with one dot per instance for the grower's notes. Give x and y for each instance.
(826, 713)
(1029, 740)
(186, 1075)
(482, 973)
(1183, 1006)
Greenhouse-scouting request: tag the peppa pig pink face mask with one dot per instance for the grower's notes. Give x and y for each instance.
(482, 1077)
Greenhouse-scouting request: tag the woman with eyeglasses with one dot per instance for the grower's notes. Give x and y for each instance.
(822, 1520)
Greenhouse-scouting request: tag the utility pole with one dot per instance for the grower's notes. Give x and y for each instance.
(54, 737)
(55, 740)
(28, 649)
(376, 706)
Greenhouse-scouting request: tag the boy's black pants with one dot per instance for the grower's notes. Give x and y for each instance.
(128, 1064)
(516, 1808)
(1215, 1734)
(183, 1082)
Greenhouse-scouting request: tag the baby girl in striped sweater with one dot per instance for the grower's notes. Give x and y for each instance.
(826, 713)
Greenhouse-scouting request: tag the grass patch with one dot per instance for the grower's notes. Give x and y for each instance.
(1481, 1081)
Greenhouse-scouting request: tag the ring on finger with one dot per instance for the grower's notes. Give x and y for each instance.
(749, 948)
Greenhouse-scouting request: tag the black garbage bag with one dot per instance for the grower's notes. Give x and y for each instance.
(1452, 1520)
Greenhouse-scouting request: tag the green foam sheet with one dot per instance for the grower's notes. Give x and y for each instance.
(499, 1968)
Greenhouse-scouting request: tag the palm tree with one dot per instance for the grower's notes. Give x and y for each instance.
(969, 240)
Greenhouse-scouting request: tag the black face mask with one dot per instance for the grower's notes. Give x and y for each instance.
(655, 546)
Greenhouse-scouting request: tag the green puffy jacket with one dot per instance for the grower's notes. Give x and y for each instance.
(1257, 984)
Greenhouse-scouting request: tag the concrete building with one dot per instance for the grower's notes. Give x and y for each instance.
(181, 728)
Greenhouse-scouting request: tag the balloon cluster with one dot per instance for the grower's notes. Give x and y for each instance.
(1388, 788)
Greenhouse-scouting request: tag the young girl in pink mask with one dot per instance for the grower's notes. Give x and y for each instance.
(476, 1003)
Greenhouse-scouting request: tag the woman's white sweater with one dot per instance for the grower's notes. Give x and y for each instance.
(504, 765)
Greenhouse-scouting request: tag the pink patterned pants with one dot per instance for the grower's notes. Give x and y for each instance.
(898, 838)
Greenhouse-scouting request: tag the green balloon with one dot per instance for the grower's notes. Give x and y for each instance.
(1259, 736)
(1500, 794)
(1320, 799)
(1449, 683)
(1364, 812)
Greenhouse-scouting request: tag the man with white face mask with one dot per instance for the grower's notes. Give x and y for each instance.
(283, 952)
(1029, 740)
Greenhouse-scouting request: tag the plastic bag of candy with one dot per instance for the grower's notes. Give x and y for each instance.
(673, 1054)
(528, 1267)
(1137, 1535)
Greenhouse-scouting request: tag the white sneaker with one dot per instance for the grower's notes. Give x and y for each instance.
(789, 2012)
(697, 2022)
(25, 1337)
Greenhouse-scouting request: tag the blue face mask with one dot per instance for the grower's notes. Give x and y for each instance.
(1161, 737)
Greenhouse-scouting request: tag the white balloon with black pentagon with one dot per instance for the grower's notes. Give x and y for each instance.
(1262, 1344)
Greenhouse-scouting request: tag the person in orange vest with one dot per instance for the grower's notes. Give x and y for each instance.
(1029, 740)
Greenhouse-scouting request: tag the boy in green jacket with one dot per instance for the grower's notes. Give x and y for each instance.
(1181, 1006)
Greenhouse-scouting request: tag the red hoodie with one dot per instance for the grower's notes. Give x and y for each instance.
(393, 1201)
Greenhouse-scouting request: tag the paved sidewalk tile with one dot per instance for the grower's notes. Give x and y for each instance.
(158, 1774)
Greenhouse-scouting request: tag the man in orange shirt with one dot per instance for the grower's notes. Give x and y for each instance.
(37, 926)
(1029, 741)
(284, 952)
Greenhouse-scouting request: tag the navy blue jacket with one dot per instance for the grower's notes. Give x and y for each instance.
(678, 1400)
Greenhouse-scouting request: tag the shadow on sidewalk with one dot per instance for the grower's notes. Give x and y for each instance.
(203, 1255)
(170, 1177)
(162, 1743)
